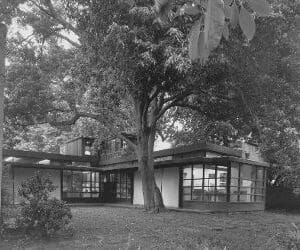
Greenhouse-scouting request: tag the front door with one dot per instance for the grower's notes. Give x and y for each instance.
(109, 194)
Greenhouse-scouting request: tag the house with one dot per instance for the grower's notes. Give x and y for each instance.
(204, 177)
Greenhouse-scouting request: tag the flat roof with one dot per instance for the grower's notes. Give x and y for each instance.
(223, 160)
(53, 166)
(48, 156)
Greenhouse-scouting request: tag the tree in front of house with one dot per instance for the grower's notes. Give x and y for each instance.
(137, 62)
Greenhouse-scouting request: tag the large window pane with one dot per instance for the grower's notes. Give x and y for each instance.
(67, 181)
(210, 171)
(210, 182)
(221, 177)
(209, 185)
(187, 190)
(198, 182)
(187, 173)
(80, 184)
(187, 183)
(250, 186)
(260, 174)
(197, 193)
(198, 171)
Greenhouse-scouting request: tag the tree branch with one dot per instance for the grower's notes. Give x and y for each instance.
(68, 122)
(77, 45)
(52, 13)
(179, 96)
(251, 112)
(128, 141)
(162, 111)
(62, 21)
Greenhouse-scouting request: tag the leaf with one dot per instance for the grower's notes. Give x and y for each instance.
(162, 8)
(194, 40)
(213, 23)
(202, 43)
(202, 48)
(297, 21)
(227, 10)
(191, 10)
(225, 32)
(261, 7)
(234, 17)
(247, 23)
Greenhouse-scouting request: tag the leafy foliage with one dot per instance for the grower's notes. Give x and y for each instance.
(39, 213)
(212, 20)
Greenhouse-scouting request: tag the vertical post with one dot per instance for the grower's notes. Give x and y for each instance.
(3, 32)
(216, 184)
(180, 195)
(203, 181)
(228, 181)
(239, 183)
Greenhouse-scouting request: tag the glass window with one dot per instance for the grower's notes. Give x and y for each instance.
(80, 184)
(197, 193)
(247, 185)
(205, 183)
(187, 173)
(210, 182)
(198, 171)
(198, 182)
(209, 171)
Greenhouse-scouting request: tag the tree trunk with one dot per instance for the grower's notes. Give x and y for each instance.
(3, 31)
(145, 142)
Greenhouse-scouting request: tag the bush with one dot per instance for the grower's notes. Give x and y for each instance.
(282, 197)
(39, 213)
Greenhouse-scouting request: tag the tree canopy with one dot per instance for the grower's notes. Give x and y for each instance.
(131, 63)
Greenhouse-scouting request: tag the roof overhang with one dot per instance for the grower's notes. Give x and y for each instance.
(53, 166)
(223, 161)
(48, 156)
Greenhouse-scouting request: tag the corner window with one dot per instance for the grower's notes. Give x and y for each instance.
(247, 183)
(205, 182)
(209, 183)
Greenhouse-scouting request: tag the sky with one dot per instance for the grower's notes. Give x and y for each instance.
(15, 28)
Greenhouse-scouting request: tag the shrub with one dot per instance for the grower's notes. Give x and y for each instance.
(281, 197)
(39, 213)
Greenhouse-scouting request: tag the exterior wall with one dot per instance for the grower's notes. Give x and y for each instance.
(167, 180)
(7, 185)
(250, 151)
(21, 174)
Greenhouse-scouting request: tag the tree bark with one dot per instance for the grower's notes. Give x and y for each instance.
(145, 145)
(3, 32)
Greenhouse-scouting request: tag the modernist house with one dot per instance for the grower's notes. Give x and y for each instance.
(204, 177)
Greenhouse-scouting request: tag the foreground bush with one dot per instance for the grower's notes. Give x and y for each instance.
(39, 213)
(281, 197)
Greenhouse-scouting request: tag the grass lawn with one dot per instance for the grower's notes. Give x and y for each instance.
(123, 228)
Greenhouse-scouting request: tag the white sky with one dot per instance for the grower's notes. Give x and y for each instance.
(26, 31)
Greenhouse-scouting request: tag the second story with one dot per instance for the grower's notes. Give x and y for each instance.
(116, 148)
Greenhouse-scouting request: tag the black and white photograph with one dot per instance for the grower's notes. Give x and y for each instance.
(150, 124)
